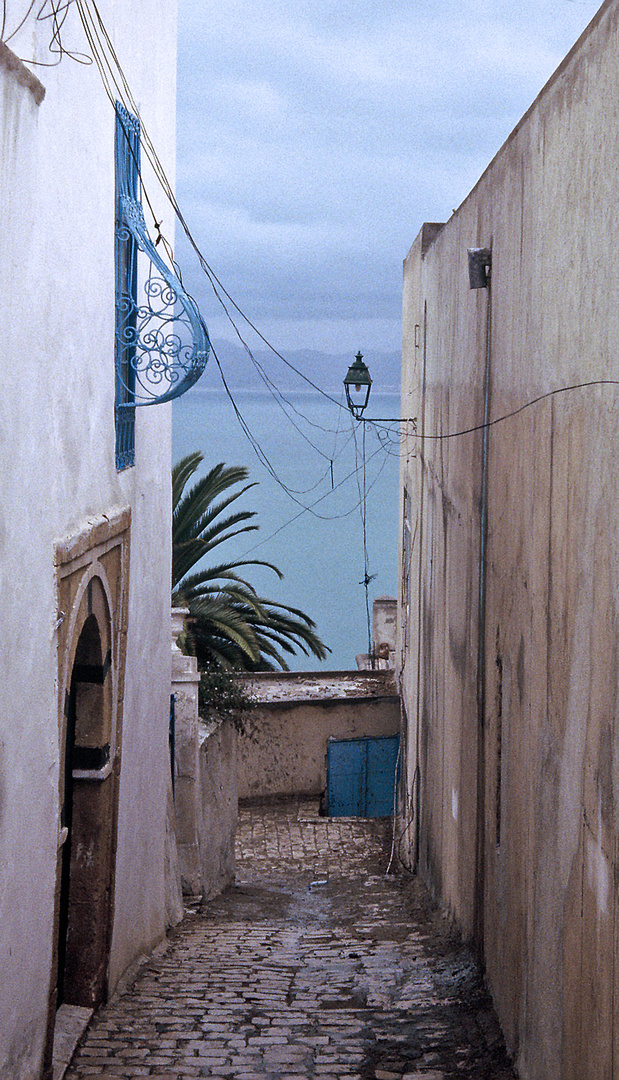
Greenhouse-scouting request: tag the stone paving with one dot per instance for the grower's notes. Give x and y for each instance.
(314, 965)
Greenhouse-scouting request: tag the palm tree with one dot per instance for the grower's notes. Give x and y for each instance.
(230, 625)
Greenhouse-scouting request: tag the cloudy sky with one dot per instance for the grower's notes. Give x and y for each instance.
(315, 137)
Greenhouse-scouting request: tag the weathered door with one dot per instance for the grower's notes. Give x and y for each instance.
(361, 776)
(88, 810)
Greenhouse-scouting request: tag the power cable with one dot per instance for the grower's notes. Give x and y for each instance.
(291, 492)
(490, 423)
(57, 13)
(323, 517)
(114, 90)
(95, 35)
(95, 32)
(367, 577)
(7, 37)
(260, 453)
(116, 86)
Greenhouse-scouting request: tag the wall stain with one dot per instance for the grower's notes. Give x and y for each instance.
(520, 669)
(458, 650)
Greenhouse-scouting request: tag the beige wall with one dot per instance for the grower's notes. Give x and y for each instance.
(519, 773)
(284, 749)
(205, 789)
(219, 806)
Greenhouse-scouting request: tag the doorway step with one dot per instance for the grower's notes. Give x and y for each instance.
(71, 1023)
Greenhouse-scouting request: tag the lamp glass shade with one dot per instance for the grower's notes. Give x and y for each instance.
(357, 384)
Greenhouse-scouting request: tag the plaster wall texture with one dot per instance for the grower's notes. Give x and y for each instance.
(57, 444)
(219, 806)
(187, 792)
(384, 612)
(518, 771)
(384, 630)
(284, 748)
(205, 790)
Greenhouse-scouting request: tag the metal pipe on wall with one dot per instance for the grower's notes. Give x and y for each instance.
(481, 643)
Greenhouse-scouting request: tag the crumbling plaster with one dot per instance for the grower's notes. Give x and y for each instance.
(283, 750)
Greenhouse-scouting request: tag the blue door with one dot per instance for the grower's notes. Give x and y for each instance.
(361, 776)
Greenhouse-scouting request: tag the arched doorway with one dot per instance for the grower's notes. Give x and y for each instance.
(92, 569)
(87, 811)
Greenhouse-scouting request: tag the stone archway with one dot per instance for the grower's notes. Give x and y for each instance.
(92, 568)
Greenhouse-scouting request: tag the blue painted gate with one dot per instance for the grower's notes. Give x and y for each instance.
(361, 776)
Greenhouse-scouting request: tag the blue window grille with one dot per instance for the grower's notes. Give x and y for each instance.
(162, 344)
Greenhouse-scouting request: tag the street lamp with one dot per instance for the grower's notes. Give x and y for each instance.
(358, 381)
(357, 385)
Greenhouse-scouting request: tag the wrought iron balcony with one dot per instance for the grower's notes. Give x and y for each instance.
(162, 343)
(161, 337)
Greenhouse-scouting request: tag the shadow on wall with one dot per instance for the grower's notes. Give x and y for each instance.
(205, 804)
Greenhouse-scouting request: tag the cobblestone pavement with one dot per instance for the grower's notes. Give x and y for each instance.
(315, 964)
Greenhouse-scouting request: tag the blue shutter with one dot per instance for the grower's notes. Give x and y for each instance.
(361, 776)
(127, 157)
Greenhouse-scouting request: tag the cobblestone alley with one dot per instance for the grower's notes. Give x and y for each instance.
(314, 965)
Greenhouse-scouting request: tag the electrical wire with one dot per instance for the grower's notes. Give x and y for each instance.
(7, 37)
(260, 453)
(412, 820)
(394, 807)
(114, 90)
(291, 492)
(490, 423)
(95, 33)
(56, 11)
(99, 40)
(57, 14)
(117, 87)
(322, 517)
(367, 577)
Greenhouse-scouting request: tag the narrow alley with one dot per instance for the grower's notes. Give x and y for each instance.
(315, 964)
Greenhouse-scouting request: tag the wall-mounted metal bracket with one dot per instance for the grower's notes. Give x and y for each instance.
(480, 266)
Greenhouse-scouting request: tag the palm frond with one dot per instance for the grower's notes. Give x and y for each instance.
(181, 473)
(186, 554)
(230, 625)
(190, 507)
(192, 582)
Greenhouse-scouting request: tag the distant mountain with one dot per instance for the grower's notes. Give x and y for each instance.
(326, 370)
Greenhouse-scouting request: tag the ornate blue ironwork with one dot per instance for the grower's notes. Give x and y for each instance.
(164, 336)
(162, 344)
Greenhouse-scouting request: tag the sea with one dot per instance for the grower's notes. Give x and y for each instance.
(326, 501)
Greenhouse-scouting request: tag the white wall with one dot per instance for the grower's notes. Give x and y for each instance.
(58, 471)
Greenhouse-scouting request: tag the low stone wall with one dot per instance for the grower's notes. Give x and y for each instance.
(219, 806)
(205, 795)
(284, 748)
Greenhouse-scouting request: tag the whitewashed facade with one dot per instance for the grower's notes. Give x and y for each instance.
(84, 548)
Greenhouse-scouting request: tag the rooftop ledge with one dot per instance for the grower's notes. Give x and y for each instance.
(287, 687)
(10, 62)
